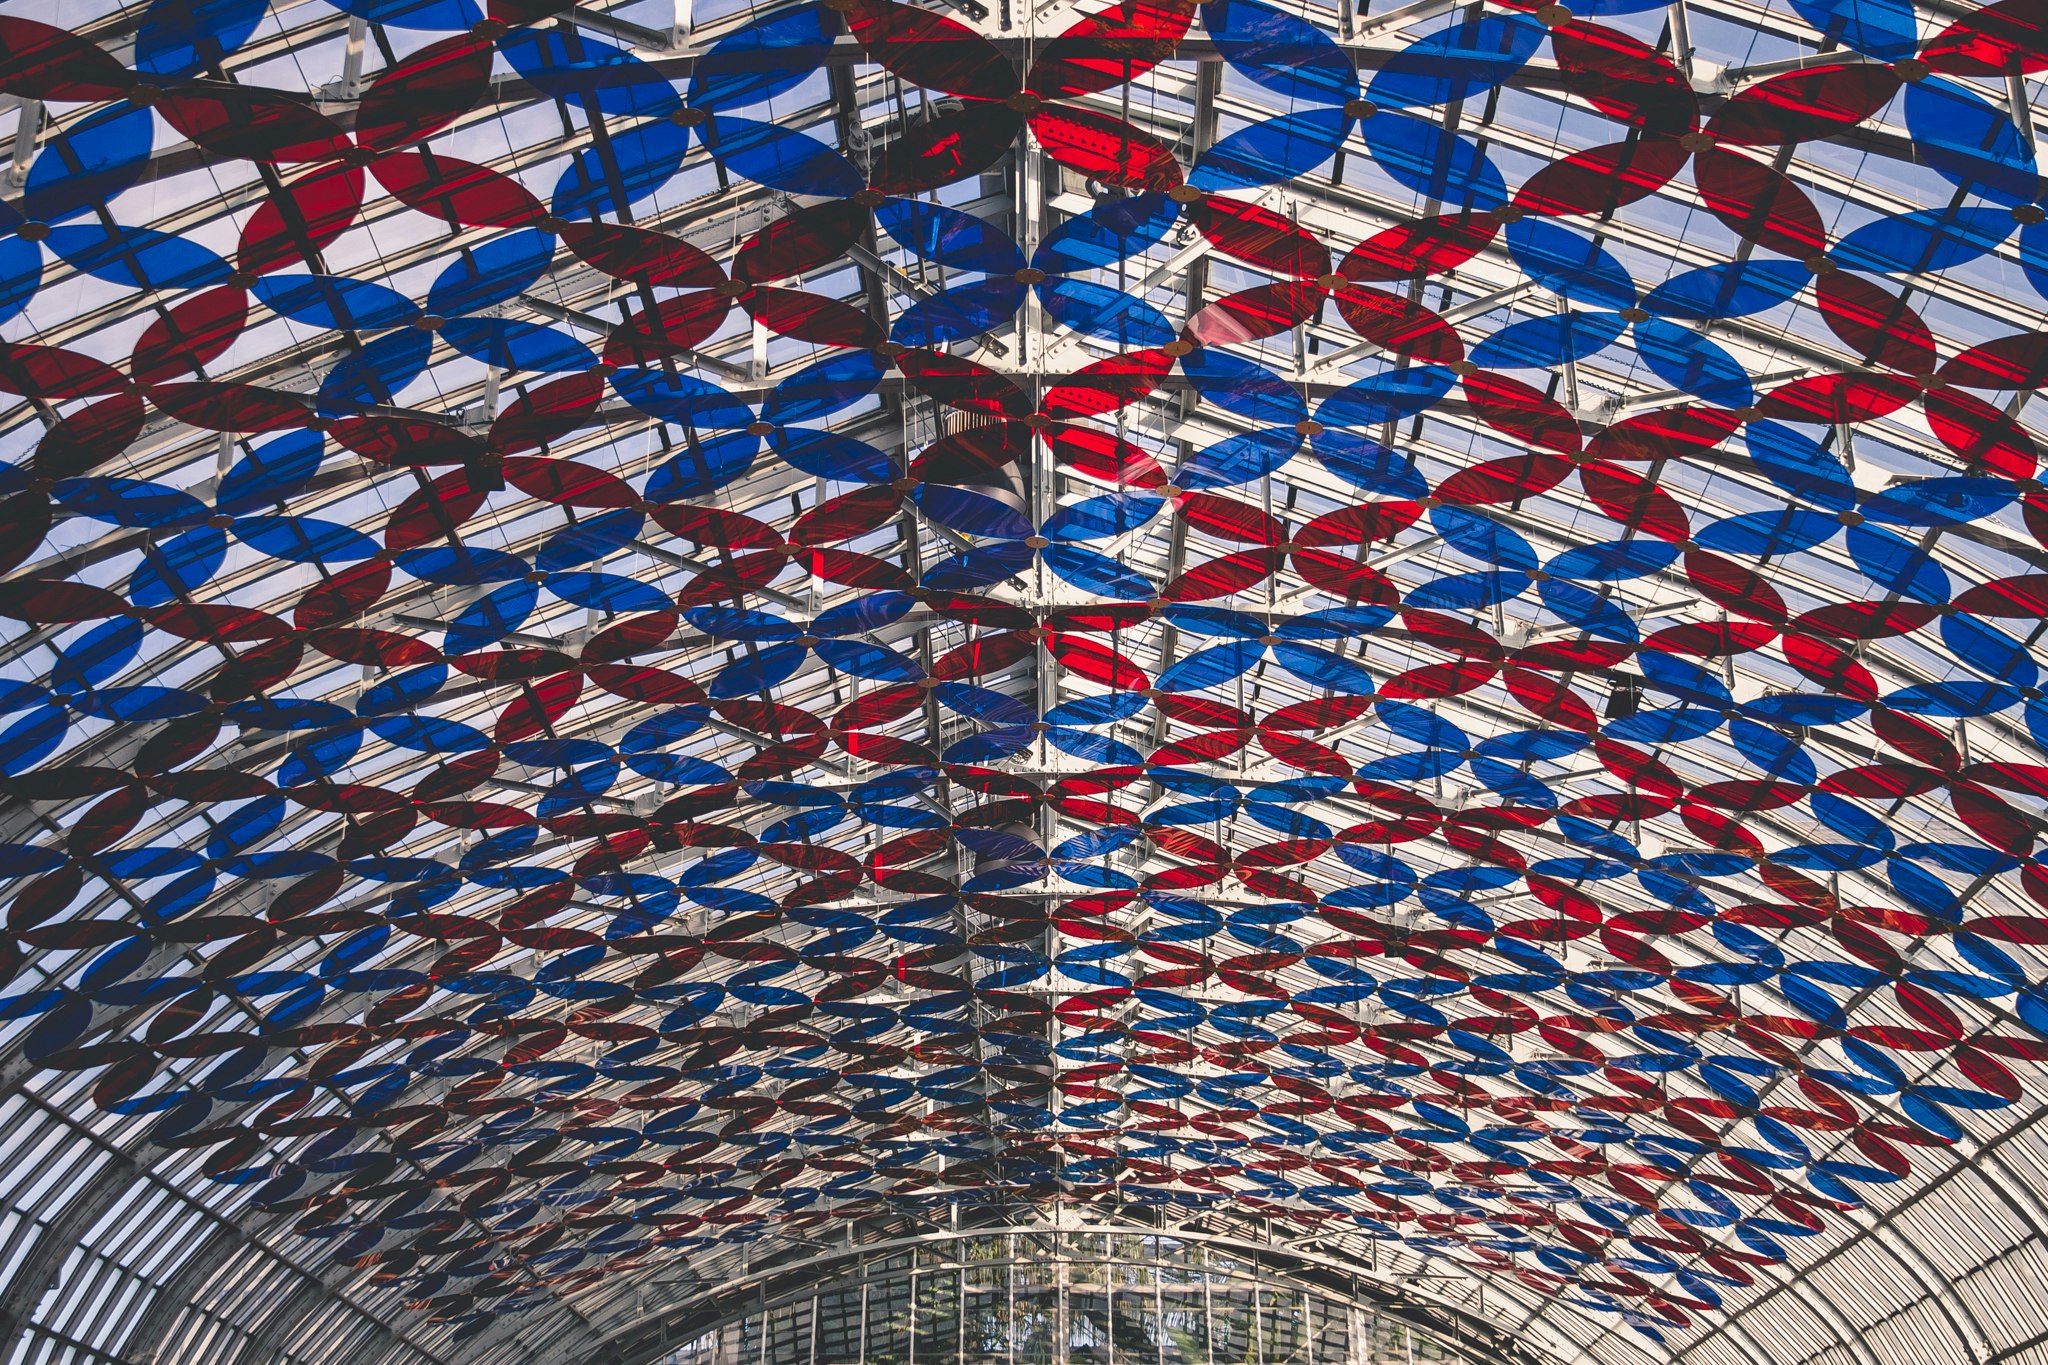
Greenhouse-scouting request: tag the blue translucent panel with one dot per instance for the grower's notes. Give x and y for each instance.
(1475, 534)
(958, 313)
(781, 158)
(1898, 564)
(1208, 667)
(1101, 310)
(1457, 62)
(335, 301)
(1468, 591)
(590, 539)
(1244, 387)
(129, 502)
(980, 568)
(739, 70)
(1366, 464)
(1093, 571)
(426, 14)
(646, 157)
(758, 670)
(177, 566)
(1798, 464)
(838, 381)
(21, 274)
(512, 344)
(701, 467)
(1272, 150)
(1688, 362)
(1884, 29)
(1989, 650)
(1569, 264)
(491, 617)
(1939, 502)
(948, 237)
(1103, 517)
(1598, 616)
(1613, 561)
(1434, 162)
(1545, 343)
(85, 166)
(1321, 668)
(138, 258)
(586, 71)
(1238, 460)
(96, 656)
(304, 540)
(1284, 54)
(1391, 394)
(864, 659)
(32, 738)
(682, 400)
(827, 455)
(1973, 145)
(607, 592)
(181, 37)
(1924, 241)
(461, 565)
(491, 273)
(271, 473)
(1734, 290)
(377, 373)
(1112, 231)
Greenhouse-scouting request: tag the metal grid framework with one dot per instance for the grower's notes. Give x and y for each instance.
(649, 650)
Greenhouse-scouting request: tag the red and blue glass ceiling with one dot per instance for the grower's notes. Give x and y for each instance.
(1427, 635)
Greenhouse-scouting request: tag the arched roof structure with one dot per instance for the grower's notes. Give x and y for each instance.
(657, 652)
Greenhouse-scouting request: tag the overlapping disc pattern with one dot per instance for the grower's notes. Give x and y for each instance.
(1428, 637)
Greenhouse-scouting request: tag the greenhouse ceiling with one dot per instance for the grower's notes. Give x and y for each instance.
(659, 652)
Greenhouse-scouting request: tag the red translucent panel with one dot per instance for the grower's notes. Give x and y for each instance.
(648, 686)
(1095, 662)
(1915, 738)
(964, 384)
(1602, 179)
(715, 528)
(1737, 587)
(854, 570)
(289, 230)
(769, 718)
(634, 635)
(2022, 595)
(53, 373)
(345, 595)
(1526, 414)
(373, 648)
(457, 191)
(2011, 36)
(1222, 577)
(424, 93)
(405, 441)
(1800, 105)
(1830, 665)
(251, 124)
(1428, 246)
(546, 412)
(814, 318)
(1359, 525)
(1106, 149)
(1550, 700)
(1670, 434)
(1986, 438)
(46, 601)
(1229, 519)
(2019, 361)
(968, 457)
(1504, 480)
(808, 239)
(672, 327)
(847, 516)
(945, 150)
(1318, 714)
(1759, 203)
(38, 62)
(538, 706)
(1624, 78)
(1101, 455)
(1868, 620)
(631, 253)
(1107, 385)
(232, 407)
(218, 623)
(1836, 398)
(879, 708)
(568, 482)
(434, 512)
(1710, 639)
(989, 654)
(1108, 48)
(1260, 237)
(1401, 324)
(1439, 680)
(1877, 326)
(931, 50)
(1252, 314)
(1345, 576)
(90, 436)
(1634, 501)
(188, 336)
